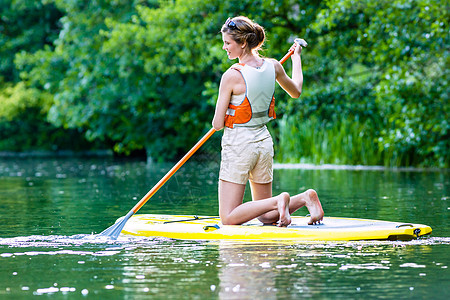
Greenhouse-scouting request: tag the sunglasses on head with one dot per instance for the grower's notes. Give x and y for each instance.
(230, 24)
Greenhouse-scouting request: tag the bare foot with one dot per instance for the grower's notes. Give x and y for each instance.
(283, 209)
(314, 207)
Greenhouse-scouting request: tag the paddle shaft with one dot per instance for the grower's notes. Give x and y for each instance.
(173, 170)
(188, 155)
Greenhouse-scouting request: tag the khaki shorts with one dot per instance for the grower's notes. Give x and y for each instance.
(248, 161)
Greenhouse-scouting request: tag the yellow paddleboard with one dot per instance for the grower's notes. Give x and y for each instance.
(331, 229)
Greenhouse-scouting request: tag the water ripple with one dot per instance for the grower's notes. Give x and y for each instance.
(53, 241)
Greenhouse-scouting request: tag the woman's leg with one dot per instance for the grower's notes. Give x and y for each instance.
(232, 211)
(262, 191)
(308, 199)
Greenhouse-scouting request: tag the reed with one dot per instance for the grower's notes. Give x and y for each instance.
(337, 141)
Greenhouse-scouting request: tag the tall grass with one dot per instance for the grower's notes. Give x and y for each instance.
(342, 141)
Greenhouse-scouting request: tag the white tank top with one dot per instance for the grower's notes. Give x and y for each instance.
(259, 90)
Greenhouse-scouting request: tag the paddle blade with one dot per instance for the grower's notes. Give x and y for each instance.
(114, 231)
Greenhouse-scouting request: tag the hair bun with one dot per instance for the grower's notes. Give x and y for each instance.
(246, 31)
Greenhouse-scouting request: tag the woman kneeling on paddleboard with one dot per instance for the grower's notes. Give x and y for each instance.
(245, 105)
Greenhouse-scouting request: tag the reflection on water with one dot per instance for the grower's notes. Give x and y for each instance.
(246, 273)
(88, 264)
(50, 208)
(223, 269)
(268, 271)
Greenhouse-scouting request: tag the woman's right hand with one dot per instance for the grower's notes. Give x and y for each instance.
(297, 48)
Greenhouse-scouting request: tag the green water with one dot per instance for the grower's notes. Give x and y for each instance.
(50, 208)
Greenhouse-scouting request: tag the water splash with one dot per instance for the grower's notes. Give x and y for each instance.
(54, 241)
(423, 241)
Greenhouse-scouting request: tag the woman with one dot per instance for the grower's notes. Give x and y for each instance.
(245, 104)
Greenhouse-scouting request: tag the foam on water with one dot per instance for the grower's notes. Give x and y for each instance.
(52, 241)
(58, 241)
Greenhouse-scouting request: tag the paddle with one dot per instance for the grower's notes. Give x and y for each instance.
(114, 230)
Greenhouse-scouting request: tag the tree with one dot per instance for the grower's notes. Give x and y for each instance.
(144, 75)
(140, 75)
(403, 44)
(27, 27)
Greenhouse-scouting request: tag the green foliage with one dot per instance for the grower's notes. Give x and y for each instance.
(28, 131)
(16, 99)
(144, 74)
(23, 125)
(26, 28)
(141, 74)
(325, 127)
(403, 43)
(25, 25)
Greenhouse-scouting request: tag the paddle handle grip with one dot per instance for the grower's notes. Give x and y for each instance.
(297, 41)
(173, 170)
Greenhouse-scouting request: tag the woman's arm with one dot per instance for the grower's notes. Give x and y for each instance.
(293, 86)
(230, 80)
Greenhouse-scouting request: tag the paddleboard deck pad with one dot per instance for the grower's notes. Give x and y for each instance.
(187, 227)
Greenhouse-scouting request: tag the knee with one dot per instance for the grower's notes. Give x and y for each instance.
(268, 219)
(285, 195)
(311, 192)
(226, 220)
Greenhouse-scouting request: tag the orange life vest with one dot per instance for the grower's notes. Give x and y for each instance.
(258, 106)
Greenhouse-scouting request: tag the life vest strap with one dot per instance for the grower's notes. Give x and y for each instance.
(259, 114)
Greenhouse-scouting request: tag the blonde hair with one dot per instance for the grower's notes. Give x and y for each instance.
(243, 30)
